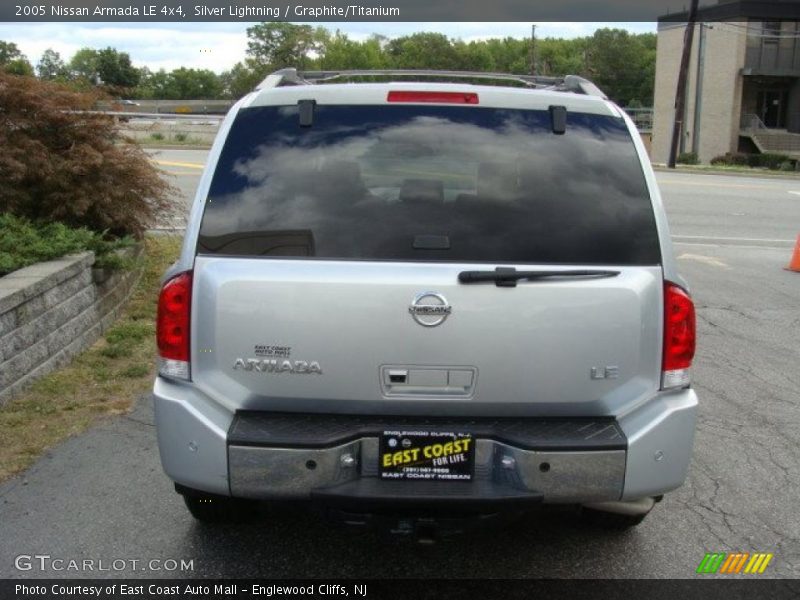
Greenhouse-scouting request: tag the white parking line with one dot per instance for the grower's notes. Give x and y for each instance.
(768, 185)
(708, 260)
(730, 239)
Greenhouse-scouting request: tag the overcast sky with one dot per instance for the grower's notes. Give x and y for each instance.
(218, 46)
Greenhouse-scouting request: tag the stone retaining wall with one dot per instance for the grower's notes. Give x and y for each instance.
(51, 311)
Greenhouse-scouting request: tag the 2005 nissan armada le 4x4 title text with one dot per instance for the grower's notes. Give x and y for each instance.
(404, 296)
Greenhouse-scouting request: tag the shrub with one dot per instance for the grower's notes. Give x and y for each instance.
(730, 158)
(180, 137)
(766, 160)
(772, 161)
(24, 243)
(157, 136)
(688, 158)
(72, 167)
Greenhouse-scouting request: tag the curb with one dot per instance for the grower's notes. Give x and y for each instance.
(754, 174)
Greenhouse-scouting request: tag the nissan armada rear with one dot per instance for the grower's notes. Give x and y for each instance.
(428, 292)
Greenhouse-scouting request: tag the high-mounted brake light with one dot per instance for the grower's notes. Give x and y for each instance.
(435, 97)
(172, 326)
(679, 337)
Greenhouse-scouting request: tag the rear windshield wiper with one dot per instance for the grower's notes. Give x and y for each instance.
(508, 276)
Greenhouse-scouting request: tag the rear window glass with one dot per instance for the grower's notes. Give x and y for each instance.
(432, 183)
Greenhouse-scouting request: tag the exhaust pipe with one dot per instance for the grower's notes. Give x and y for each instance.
(632, 507)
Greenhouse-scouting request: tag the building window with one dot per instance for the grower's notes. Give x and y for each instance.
(771, 31)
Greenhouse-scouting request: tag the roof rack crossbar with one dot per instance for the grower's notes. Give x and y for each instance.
(526, 79)
(569, 83)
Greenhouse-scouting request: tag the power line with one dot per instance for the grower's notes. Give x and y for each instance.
(755, 31)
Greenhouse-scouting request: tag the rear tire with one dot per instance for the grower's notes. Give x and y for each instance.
(220, 509)
(609, 520)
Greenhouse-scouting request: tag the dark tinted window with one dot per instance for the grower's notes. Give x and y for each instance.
(445, 183)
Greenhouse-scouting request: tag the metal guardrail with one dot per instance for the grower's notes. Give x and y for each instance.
(200, 118)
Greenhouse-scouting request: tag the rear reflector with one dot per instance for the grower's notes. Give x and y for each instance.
(679, 336)
(172, 326)
(437, 97)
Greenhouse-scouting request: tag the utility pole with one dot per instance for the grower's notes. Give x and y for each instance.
(698, 91)
(533, 49)
(680, 93)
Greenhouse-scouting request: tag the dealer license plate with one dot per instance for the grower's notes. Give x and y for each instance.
(427, 455)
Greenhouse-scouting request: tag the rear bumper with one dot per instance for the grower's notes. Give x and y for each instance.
(572, 476)
(262, 456)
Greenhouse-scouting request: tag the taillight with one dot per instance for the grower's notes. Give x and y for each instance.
(172, 326)
(679, 337)
(437, 97)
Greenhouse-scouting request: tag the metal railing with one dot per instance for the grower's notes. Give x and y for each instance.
(128, 116)
(751, 122)
(642, 117)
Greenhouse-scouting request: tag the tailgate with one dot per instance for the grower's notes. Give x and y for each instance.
(330, 336)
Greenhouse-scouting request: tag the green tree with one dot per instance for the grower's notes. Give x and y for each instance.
(422, 51)
(186, 84)
(509, 55)
(152, 85)
(241, 79)
(277, 44)
(107, 67)
(83, 66)
(13, 61)
(51, 67)
(557, 57)
(340, 52)
(473, 56)
(622, 65)
(115, 69)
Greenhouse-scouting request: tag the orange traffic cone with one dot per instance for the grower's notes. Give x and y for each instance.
(794, 264)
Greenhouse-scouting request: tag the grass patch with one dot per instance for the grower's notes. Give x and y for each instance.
(130, 331)
(135, 371)
(104, 380)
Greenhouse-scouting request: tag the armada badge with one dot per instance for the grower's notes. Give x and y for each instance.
(297, 367)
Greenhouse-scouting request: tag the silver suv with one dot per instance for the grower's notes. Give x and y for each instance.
(426, 293)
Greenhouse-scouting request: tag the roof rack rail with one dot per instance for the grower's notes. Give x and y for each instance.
(569, 83)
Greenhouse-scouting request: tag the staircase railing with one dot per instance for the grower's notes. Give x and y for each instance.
(751, 121)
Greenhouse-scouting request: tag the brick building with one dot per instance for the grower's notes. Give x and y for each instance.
(743, 90)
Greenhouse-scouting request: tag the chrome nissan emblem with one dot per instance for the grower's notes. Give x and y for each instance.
(430, 309)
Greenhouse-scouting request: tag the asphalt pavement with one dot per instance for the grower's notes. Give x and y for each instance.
(103, 496)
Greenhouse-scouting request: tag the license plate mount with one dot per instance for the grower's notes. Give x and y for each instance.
(426, 455)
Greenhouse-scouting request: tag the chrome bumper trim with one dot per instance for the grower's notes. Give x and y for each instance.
(292, 473)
